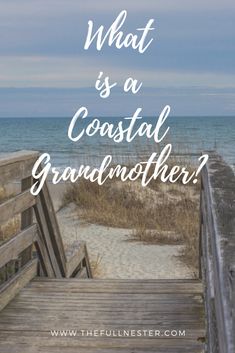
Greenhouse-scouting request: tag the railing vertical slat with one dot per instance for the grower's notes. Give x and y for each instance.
(26, 221)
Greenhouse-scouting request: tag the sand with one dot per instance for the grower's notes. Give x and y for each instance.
(115, 252)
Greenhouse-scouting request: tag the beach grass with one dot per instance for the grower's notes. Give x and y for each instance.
(161, 213)
(9, 228)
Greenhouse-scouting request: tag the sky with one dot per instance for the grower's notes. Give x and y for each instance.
(45, 71)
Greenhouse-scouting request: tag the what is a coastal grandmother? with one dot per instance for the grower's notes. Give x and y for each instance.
(155, 167)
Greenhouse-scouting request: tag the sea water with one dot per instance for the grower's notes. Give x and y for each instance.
(186, 134)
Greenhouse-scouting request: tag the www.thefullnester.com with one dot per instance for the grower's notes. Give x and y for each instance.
(118, 333)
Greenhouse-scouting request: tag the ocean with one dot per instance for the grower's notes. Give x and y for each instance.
(186, 134)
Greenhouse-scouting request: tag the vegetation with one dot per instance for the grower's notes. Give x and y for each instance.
(11, 227)
(161, 213)
(7, 230)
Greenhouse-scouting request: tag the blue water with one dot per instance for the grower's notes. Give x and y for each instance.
(187, 135)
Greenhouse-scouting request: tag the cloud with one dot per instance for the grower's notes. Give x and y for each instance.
(38, 71)
(34, 102)
(51, 8)
(41, 45)
(182, 40)
(158, 6)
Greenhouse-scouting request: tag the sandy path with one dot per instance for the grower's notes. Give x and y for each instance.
(121, 258)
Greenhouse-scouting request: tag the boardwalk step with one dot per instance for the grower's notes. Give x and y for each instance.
(112, 305)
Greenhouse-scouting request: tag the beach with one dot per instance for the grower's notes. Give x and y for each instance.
(112, 251)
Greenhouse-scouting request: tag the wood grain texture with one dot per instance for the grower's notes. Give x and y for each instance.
(60, 304)
(43, 256)
(46, 239)
(49, 246)
(19, 156)
(75, 254)
(26, 220)
(16, 205)
(218, 251)
(12, 287)
(17, 171)
(13, 247)
(53, 228)
(115, 303)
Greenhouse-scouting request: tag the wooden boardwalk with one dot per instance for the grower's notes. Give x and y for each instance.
(49, 302)
(154, 305)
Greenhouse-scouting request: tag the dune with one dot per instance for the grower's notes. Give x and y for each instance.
(112, 251)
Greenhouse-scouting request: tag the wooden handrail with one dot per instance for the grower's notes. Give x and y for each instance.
(11, 249)
(218, 253)
(19, 156)
(12, 287)
(17, 166)
(16, 205)
(44, 236)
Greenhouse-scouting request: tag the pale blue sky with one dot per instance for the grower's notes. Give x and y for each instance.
(44, 70)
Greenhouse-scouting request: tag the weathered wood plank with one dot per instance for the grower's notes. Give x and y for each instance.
(109, 301)
(47, 243)
(122, 280)
(26, 220)
(101, 343)
(103, 296)
(56, 349)
(80, 306)
(157, 292)
(10, 288)
(87, 263)
(87, 283)
(75, 254)
(43, 256)
(219, 261)
(18, 156)
(33, 323)
(53, 227)
(16, 205)
(17, 171)
(208, 275)
(89, 286)
(13, 247)
(85, 317)
(28, 319)
(56, 319)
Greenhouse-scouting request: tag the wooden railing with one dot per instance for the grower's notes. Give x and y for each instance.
(36, 248)
(217, 253)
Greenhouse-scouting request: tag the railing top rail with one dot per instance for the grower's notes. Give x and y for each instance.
(18, 156)
(219, 188)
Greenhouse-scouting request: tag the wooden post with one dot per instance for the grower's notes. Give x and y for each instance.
(26, 220)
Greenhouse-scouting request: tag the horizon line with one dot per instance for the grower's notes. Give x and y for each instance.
(118, 117)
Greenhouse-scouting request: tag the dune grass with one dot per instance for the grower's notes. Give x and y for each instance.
(10, 228)
(161, 213)
(7, 230)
